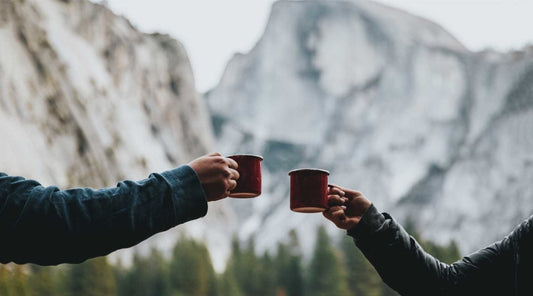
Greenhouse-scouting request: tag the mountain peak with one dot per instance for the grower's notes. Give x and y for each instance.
(392, 105)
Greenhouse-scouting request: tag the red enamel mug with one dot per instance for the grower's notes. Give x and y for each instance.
(309, 190)
(249, 182)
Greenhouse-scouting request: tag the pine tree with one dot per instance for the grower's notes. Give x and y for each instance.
(19, 281)
(282, 263)
(94, 277)
(148, 276)
(247, 270)
(446, 254)
(5, 279)
(362, 277)
(253, 275)
(41, 281)
(191, 271)
(289, 267)
(228, 284)
(267, 272)
(327, 276)
(453, 253)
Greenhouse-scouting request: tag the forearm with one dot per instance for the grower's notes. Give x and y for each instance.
(50, 226)
(408, 269)
(399, 259)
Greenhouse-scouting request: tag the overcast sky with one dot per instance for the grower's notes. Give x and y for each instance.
(213, 30)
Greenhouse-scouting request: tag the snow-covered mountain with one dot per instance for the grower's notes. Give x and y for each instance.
(88, 100)
(389, 103)
(392, 105)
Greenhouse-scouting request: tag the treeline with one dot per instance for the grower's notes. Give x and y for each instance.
(335, 268)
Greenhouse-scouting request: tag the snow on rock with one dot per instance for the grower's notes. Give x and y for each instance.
(391, 104)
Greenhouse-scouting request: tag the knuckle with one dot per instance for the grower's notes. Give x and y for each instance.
(226, 173)
(218, 160)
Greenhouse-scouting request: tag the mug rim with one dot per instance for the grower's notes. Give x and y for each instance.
(246, 155)
(309, 170)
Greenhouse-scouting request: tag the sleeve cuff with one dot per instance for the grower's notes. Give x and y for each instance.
(188, 195)
(371, 221)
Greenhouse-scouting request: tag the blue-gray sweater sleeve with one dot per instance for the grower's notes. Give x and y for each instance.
(46, 225)
(404, 265)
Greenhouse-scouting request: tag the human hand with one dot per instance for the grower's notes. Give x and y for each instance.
(346, 207)
(217, 174)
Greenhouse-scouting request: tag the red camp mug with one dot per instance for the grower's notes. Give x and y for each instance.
(249, 182)
(309, 190)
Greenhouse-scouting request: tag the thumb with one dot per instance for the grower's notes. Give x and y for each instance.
(215, 154)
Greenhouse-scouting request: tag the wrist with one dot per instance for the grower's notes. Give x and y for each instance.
(370, 221)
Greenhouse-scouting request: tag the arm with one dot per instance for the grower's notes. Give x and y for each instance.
(408, 269)
(45, 225)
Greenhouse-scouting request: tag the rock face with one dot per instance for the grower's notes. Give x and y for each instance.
(87, 100)
(78, 82)
(390, 104)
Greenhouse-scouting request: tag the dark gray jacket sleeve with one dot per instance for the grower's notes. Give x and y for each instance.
(46, 225)
(409, 270)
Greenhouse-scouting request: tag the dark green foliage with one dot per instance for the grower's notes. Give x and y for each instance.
(327, 275)
(289, 267)
(91, 278)
(332, 270)
(4, 280)
(41, 281)
(362, 277)
(13, 281)
(268, 276)
(247, 268)
(148, 276)
(191, 271)
(19, 281)
(228, 285)
(447, 254)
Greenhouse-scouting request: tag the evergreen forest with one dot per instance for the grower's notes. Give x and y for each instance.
(335, 268)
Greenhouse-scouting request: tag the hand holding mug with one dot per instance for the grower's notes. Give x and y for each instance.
(346, 207)
(217, 175)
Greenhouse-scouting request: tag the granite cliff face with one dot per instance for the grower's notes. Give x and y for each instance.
(390, 104)
(87, 100)
(84, 84)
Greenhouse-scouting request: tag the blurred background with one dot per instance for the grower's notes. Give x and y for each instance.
(424, 106)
